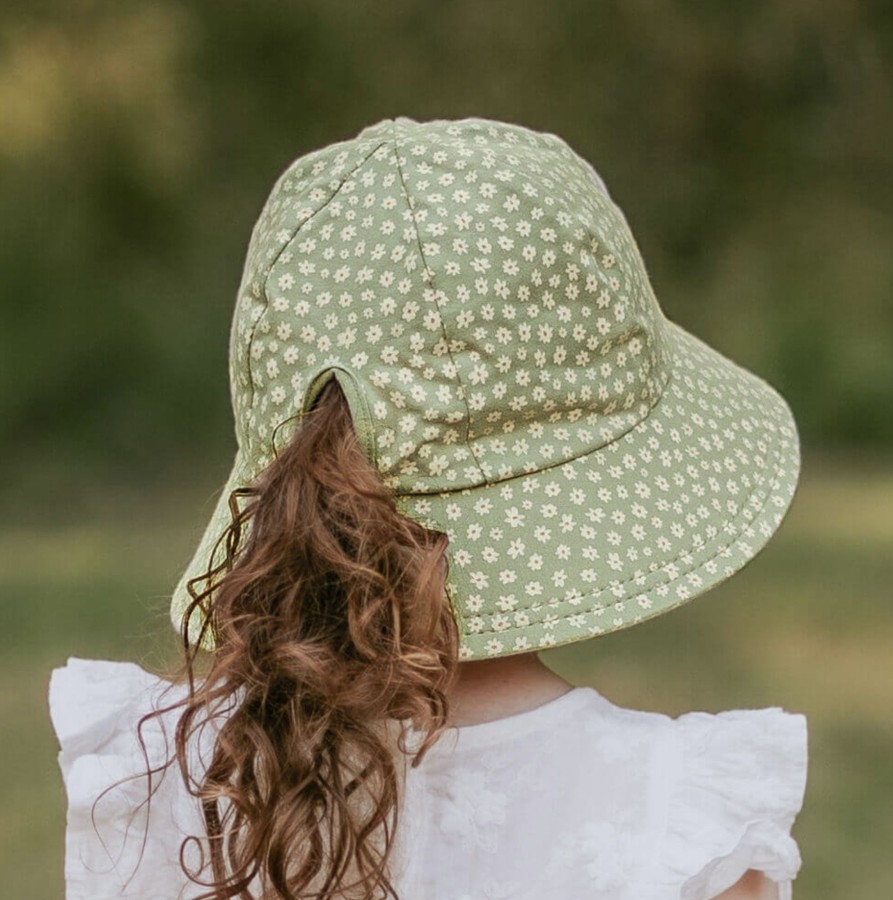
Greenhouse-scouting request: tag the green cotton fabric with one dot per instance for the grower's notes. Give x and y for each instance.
(484, 305)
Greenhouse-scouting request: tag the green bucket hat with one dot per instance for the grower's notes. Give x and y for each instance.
(484, 306)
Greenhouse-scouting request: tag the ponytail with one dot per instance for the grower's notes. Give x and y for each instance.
(331, 626)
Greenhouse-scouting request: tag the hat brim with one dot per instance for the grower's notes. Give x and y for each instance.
(632, 530)
(211, 551)
(609, 539)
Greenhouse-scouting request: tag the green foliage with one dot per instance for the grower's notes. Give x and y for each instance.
(747, 143)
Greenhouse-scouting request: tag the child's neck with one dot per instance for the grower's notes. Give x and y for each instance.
(490, 689)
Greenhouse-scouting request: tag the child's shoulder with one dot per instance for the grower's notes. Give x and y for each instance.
(112, 758)
(723, 789)
(750, 758)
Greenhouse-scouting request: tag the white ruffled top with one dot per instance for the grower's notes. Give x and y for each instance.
(575, 799)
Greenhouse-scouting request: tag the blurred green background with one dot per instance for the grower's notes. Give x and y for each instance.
(749, 146)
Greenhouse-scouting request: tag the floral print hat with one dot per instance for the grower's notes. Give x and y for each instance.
(484, 306)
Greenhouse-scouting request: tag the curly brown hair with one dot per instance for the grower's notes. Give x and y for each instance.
(332, 624)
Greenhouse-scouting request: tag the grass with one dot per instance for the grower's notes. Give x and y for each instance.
(808, 625)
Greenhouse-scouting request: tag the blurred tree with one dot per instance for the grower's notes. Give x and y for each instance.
(748, 145)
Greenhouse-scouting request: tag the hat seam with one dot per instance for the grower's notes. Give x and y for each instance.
(708, 547)
(555, 465)
(431, 280)
(266, 272)
(489, 480)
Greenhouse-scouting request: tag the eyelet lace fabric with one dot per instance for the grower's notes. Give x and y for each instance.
(578, 799)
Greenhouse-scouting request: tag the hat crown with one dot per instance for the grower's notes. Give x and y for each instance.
(472, 285)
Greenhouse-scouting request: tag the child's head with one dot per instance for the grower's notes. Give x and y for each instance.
(483, 304)
(466, 430)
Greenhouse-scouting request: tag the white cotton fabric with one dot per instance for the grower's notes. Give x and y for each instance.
(578, 798)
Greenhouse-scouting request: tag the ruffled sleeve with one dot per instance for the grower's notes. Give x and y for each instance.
(740, 785)
(117, 845)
